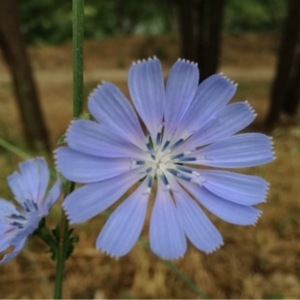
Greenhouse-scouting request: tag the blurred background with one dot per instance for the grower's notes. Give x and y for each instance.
(256, 43)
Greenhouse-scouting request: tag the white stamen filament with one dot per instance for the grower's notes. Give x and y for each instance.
(161, 161)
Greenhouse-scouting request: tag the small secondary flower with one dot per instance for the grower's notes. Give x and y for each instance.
(186, 130)
(29, 187)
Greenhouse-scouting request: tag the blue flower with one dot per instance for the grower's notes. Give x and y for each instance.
(29, 188)
(166, 151)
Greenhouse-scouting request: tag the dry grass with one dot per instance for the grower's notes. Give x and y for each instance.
(255, 262)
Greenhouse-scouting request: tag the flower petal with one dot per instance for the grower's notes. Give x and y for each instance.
(238, 151)
(167, 237)
(109, 106)
(51, 198)
(238, 188)
(18, 247)
(6, 208)
(31, 182)
(7, 235)
(85, 168)
(31, 175)
(228, 121)
(226, 210)
(44, 177)
(18, 187)
(198, 228)
(90, 200)
(91, 138)
(125, 224)
(212, 95)
(146, 86)
(181, 87)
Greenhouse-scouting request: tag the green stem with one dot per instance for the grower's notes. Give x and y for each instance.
(61, 257)
(46, 235)
(78, 13)
(62, 249)
(186, 279)
(193, 286)
(13, 149)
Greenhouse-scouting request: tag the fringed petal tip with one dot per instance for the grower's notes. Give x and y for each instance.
(144, 60)
(171, 258)
(31, 161)
(108, 253)
(55, 153)
(251, 108)
(92, 93)
(264, 200)
(266, 191)
(272, 147)
(71, 222)
(228, 79)
(70, 125)
(55, 156)
(95, 90)
(139, 61)
(257, 218)
(217, 247)
(188, 62)
(69, 129)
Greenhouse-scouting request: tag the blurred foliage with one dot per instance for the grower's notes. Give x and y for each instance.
(254, 15)
(50, 21)
(47, 21)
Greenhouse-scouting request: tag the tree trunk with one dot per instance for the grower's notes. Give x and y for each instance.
(286, 59)
(200, 26)
(291, 102)
(201, 44)
(14, 53)
(186, 28)
(215, 23)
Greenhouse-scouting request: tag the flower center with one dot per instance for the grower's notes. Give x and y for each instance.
(22, 219)
(17, 220)
(165, 158)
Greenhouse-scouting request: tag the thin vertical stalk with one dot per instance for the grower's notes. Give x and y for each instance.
(78, 13)
(61, 257)
(62, 250)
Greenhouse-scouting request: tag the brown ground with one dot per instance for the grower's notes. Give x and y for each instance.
(255, 262)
